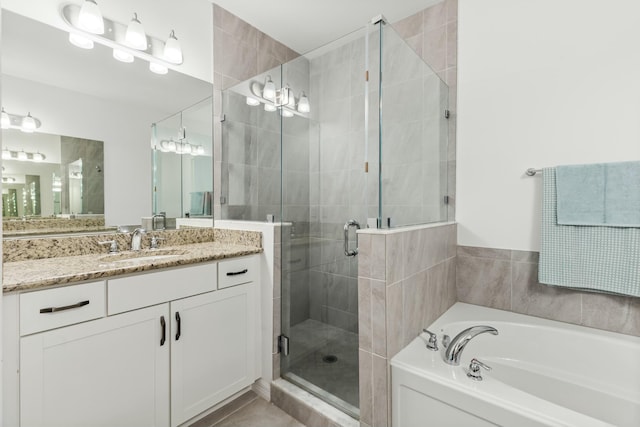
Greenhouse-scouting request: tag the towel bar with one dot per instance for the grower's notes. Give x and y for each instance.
(532, 171)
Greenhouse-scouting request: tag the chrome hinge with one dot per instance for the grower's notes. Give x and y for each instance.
(283, 345)
(446, 200)
(223, 200)
(447, 114)
(223, 118)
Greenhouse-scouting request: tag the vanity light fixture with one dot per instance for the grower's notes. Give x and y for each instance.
(172, 50)
(135, 36)
(90, 18)
(22, 155)
(87, 26)
(8, 179)
(26, 123)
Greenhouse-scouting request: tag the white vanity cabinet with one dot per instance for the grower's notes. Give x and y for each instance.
(108, 372)
(166, 346)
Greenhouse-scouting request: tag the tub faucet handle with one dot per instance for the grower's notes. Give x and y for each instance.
(432, 344)
(474, 369)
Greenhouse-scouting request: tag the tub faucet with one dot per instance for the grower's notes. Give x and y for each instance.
(454, 350)
(136, 239)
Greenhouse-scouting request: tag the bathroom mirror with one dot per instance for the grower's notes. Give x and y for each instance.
(86, 95)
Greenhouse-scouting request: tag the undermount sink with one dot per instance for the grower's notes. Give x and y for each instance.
(141, 257)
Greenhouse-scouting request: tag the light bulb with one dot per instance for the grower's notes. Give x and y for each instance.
(286, 113)
(172, 50)
(90, 18)
(135, 36)
(303, 104)
(269, 90)
(158, 68)
(80, 41)
(6, 120)
(252, 101)
(199, 150)
(28, 124)
(38, 157)
(269, 107)
(122, 56)
(22, 155)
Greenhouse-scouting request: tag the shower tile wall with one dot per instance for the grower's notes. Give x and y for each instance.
(433, 34)
(241, 51)
(336, 183)
(406, 280)
(92, 155)
(508, 280)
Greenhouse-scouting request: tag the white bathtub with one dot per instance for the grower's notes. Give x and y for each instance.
(545, 373)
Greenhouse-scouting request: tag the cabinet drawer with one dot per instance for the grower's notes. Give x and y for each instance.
(146, 289)
(237, 271)
(53, 308)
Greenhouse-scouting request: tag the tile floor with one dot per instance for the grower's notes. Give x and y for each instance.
(248, 410)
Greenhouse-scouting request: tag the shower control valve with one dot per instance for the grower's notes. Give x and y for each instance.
(432, 344)
(474, 369)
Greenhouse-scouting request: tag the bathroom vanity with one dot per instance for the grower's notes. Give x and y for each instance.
(134, 347)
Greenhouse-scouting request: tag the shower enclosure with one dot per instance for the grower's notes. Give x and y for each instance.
(351, 135)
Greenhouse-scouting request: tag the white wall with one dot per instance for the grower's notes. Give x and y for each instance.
(540, 83)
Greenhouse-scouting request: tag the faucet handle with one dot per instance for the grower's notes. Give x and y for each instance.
(113, 245)
(432, 344)
(474, 369)
(154, 241)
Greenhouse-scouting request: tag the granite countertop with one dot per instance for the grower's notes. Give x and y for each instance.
(40, 273)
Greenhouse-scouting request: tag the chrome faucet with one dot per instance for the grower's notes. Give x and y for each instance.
(136, 239)
(454, 350)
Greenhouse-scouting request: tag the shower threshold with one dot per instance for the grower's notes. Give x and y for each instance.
(335, 401)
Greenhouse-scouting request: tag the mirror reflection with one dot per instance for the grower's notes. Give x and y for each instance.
(86, 98)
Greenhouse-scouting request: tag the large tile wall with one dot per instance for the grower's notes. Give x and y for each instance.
(406, 280)
(240, 51)
(433, 34)
(508, 280)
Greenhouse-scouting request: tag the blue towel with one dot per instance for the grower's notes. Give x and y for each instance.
(604, 259)
(606, 194)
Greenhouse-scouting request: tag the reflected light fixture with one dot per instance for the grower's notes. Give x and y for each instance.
(269, 107)
(26, 123)
(6, 120)
(22, 155)
(80, 41)
(90, 18)
(286, 113)
(154, 67)
(252, 101)
(269, 90)
(135, 36)
(172, 50)
(122, 56)
(303, 104)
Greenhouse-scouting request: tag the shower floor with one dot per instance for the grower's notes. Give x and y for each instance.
(324, 359)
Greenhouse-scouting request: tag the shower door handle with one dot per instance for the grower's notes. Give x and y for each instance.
(347, 226)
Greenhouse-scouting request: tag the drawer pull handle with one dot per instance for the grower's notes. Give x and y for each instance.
(179, 325)
(163, 324)
(237, 273)
(66, 307)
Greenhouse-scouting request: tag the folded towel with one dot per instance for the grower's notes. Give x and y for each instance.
(606, 194)
(604, 259)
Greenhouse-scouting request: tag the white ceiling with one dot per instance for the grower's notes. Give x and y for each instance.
(304, 25)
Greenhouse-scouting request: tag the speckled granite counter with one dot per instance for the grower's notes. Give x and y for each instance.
(29, 274)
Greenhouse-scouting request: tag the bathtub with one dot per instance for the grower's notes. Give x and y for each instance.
(544, 373)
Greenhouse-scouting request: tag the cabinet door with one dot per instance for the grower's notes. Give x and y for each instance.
(108, 372)
(212, 349)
